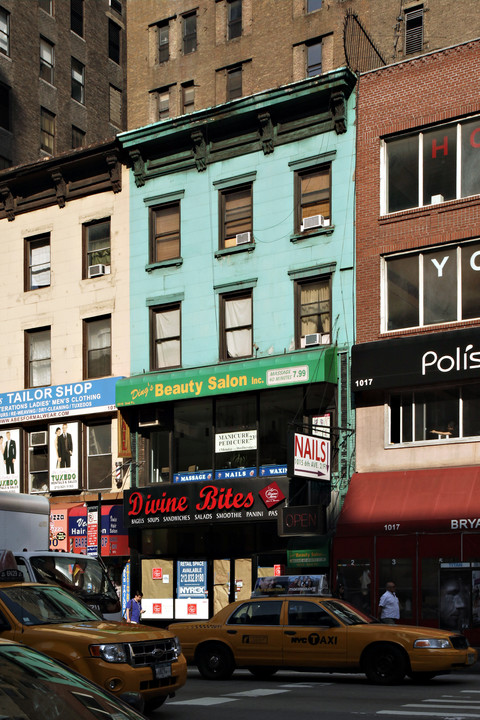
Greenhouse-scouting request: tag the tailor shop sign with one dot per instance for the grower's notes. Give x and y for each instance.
(277, 372)
(57, 401)
(414, 361)
(197, 503)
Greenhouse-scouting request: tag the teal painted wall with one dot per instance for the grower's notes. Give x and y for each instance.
(270, 262)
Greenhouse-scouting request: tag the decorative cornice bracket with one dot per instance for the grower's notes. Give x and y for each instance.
(266, 132)
(115, 171)
(199, 149)
(8, 201)
(60, 186)
(138, 165)
(339, 112)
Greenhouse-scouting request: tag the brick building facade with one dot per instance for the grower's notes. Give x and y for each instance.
(408, 511)
(62, 76)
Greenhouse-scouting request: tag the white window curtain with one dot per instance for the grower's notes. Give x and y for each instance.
(238, 315)
(315, 301)
(40, 359)
(167, 337)
(40, 263)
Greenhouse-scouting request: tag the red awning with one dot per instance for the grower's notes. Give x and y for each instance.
(439, 500)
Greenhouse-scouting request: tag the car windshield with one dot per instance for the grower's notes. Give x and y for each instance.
(43, 605)
(347, 614)
(83, 575)
(48, 688)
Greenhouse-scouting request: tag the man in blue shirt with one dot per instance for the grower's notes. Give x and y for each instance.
(134, 608)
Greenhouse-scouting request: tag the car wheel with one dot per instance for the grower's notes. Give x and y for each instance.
(215, 662)
(385, 665)
(262, 672)
(151, 705)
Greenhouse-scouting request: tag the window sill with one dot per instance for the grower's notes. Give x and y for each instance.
(423, 210)
(298, 237)
(175, 262)
(429, 443)
(248, 247)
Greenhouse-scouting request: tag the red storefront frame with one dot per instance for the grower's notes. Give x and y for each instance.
(423, 519)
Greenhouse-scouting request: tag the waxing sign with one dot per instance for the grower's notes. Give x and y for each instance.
(311, 457)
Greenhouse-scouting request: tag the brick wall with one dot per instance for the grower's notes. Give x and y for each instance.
(431, 89)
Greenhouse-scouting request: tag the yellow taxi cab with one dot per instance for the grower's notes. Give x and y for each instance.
(123, 658)
(321, 633)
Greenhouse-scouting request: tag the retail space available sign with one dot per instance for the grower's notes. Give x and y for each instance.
(261, 374)
(193, 503)
(56, 401)
(309, 456)
(192, 600)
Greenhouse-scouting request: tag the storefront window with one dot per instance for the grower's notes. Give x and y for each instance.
(435, 414)
(234, 416)
(277, 410)
(354, 583)
(398, 570)
(193, 421)
(429, 600)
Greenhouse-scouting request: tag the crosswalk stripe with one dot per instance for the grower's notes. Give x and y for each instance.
(446, 713)
(442, 705)
(259, 692)
(203, 701)
(453, 700)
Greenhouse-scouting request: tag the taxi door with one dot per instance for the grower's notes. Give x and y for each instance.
(255, 634)
(312, 637)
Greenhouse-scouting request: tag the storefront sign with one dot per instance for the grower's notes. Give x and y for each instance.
(280, 371)
(193, 503)
(59, 529)
(273, 470)
(45, 403)
(302, 520)
(193, 476)
(63, 456)
(309, 553)
(191, 579)
(114, 536)
(249, 472)
(124, 449)
(10, 460)
(309, 456)
(92, 532)
(235, 441)
(125, 587)
(420, 360)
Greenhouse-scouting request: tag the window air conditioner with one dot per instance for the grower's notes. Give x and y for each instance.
(311, 340)
(243, 238)
(313, 222)
(37, 439)
(435, 199)
(326, 339)
(96, 270)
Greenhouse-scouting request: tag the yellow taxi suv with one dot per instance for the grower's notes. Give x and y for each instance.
(127, 660)
(318, 633)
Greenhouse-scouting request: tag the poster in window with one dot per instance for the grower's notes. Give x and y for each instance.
(10, 460)
(63, 456)
(455, 599)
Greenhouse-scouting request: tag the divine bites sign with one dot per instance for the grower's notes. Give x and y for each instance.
(192, 503)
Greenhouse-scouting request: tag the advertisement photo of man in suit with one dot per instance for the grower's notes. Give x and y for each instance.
(10, 454)
(65, 447)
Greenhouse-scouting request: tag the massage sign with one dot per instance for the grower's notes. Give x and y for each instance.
(254, 499)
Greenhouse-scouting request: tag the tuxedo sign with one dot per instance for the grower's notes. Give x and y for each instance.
(9, 460)
(63, 456)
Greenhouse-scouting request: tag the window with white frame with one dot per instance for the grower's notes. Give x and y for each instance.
(37, 357)
(46, 60)
(76, 16)
(38, 478)
(236, 339)
(4, 31)
(46, 5)
(165, 336)
(437, 285)
(439, 164)
(37, 261)
(312, 198)
(437, 414)
(97, 248)
(99, 456)
(97, 347)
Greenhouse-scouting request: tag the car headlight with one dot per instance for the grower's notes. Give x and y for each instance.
(177, 647)
(114, 653)
(432, 643)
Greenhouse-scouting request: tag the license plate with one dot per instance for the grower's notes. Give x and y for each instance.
(162, 671)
